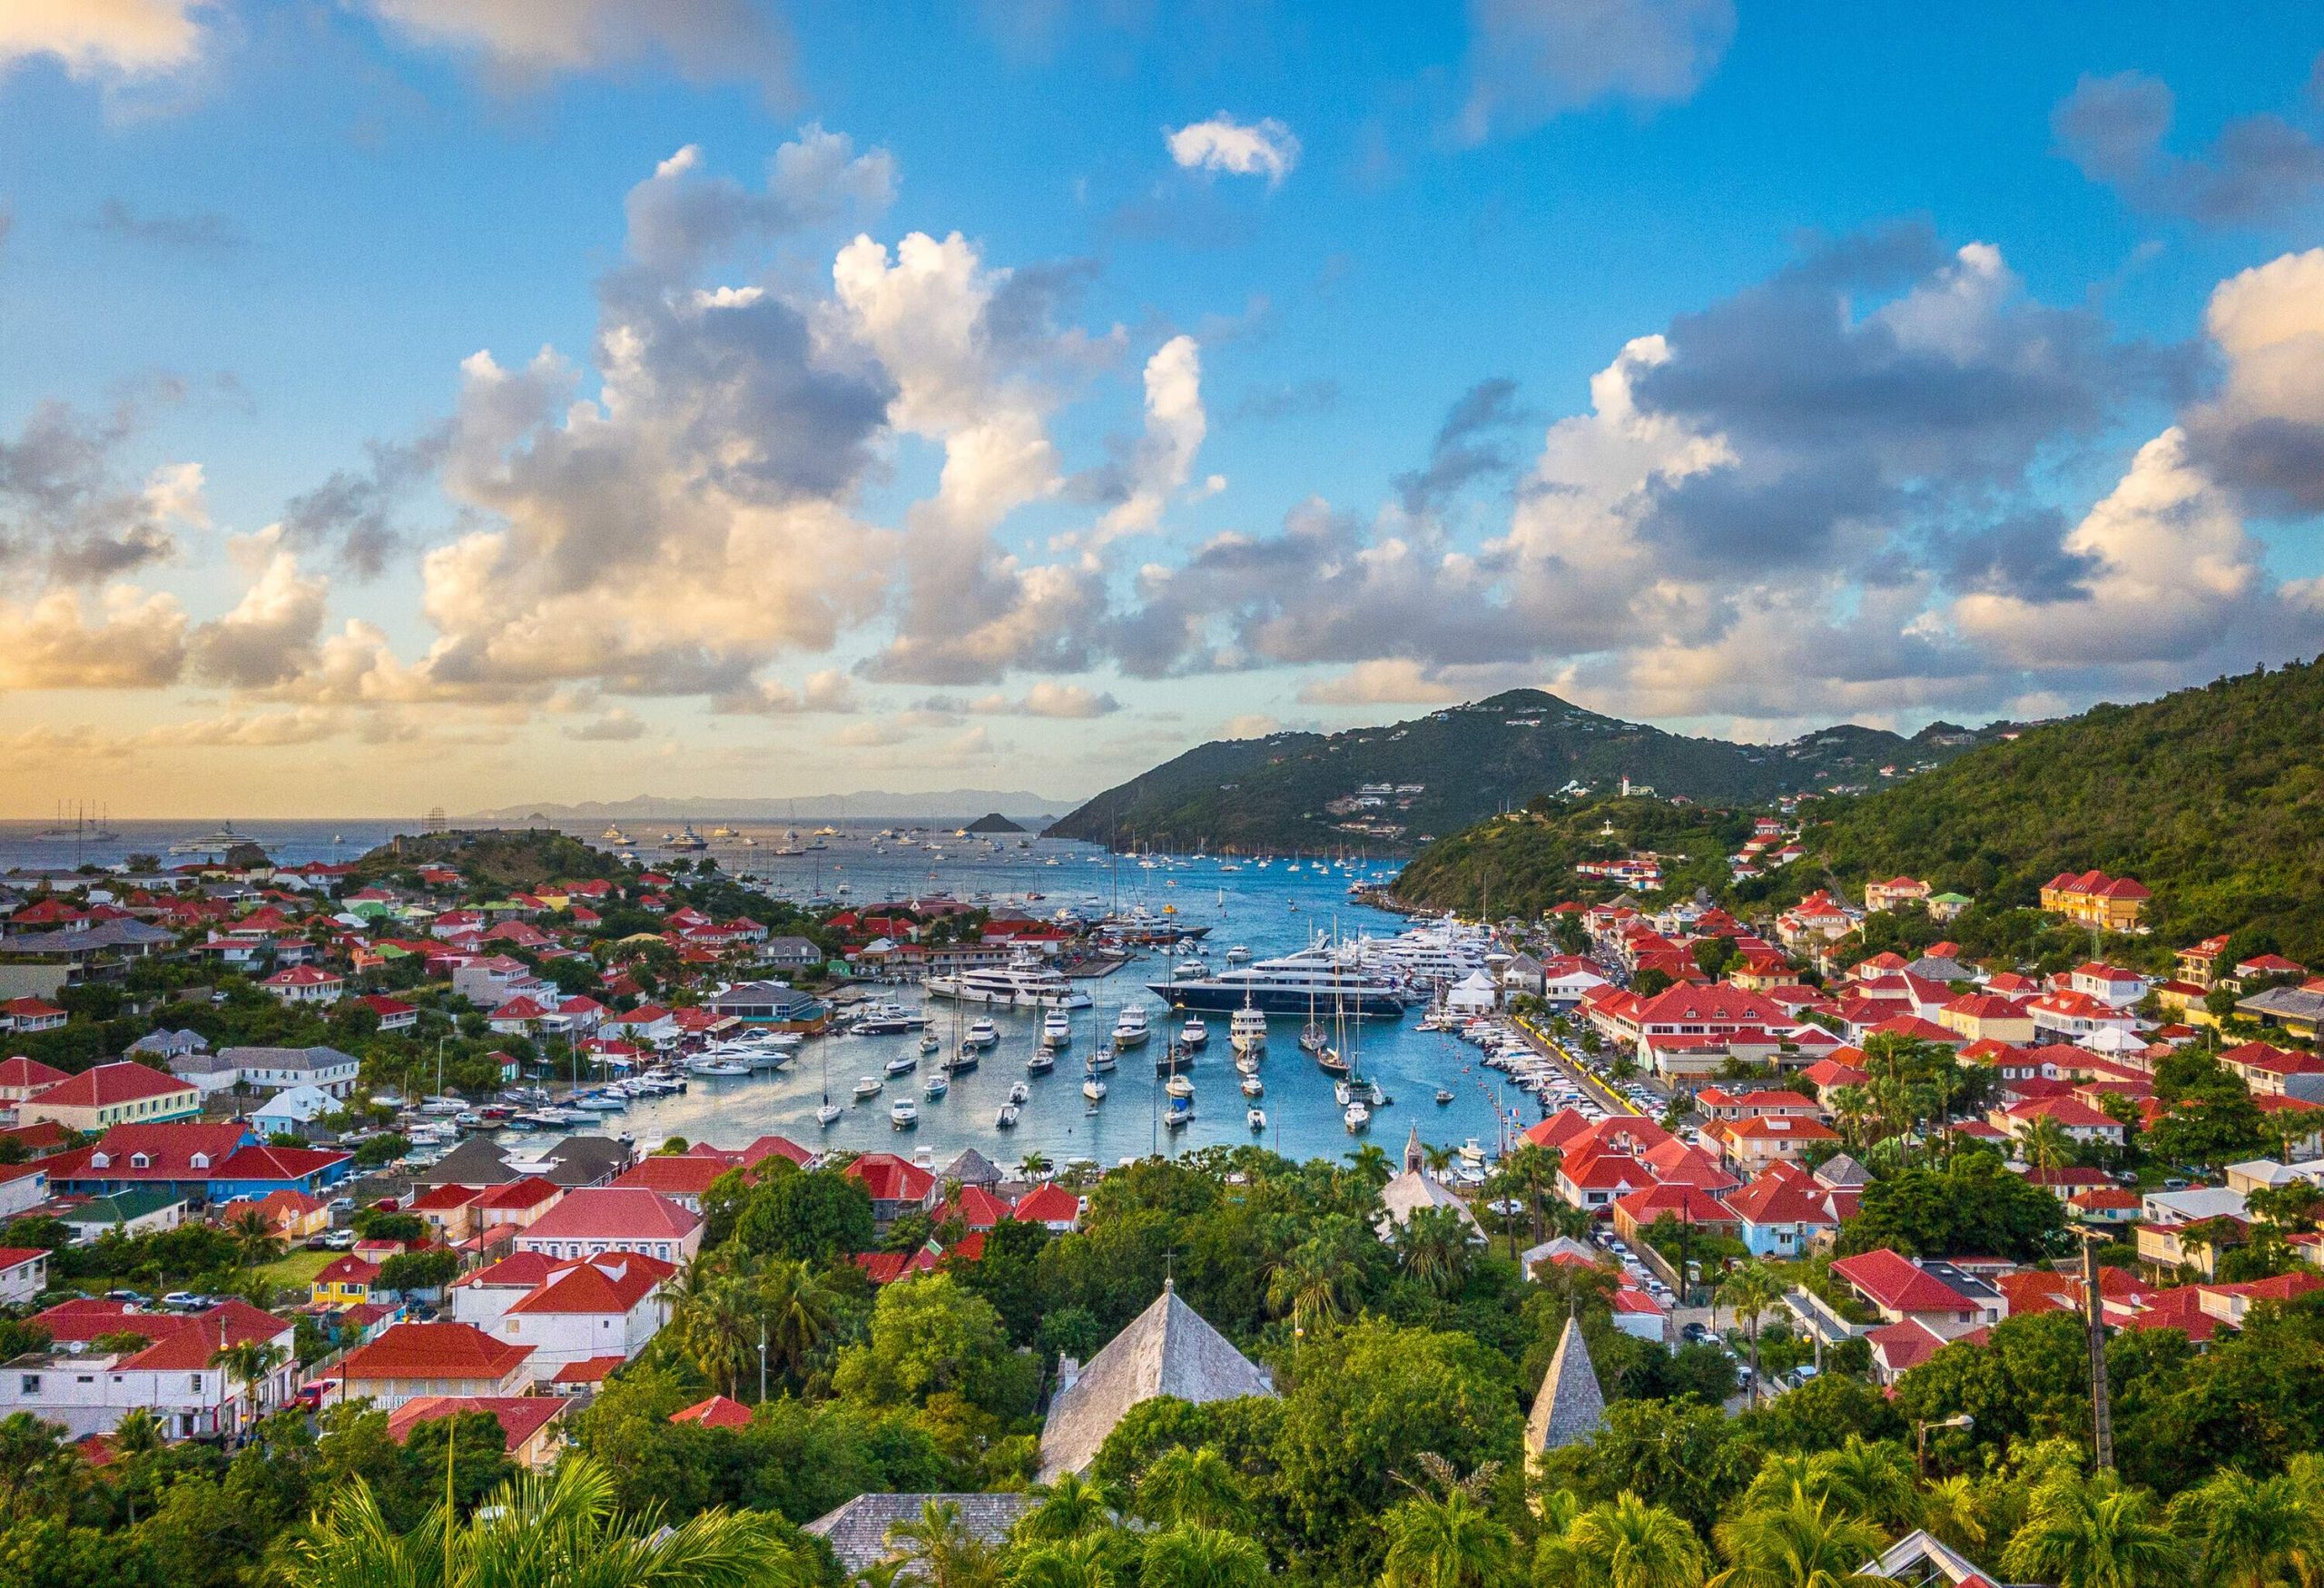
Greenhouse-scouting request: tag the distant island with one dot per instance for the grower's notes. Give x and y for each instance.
(993, 821)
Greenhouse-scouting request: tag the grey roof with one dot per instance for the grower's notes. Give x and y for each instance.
(104, 935)
(2288, 1004)
(1944, 968)
(315, 1057)
(586, 1161)
(1571, 1406)
(169, 1041)
(475, 1161)
(972, 1168)
(1840, 1171)
(857, 1530)
(1415, 1189)
(1168, 1349)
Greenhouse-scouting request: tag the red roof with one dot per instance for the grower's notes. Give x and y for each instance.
(1049, 1204)
(890, 1178)
(588, 1370)
(21, 1071)
(717, 1412)
(520, 1416)
(1896, 1283)
(1906, 1345)
(887, 1267)
(434, 1350)
(673, 1176)
(977, 1208)
(16, 1257)
(443, 1199)
(1718, 1004)
(608, 1285)
(342, 1270)
(517, 1270)
(107, 1084)
(1781, 1196)
(603, 1213)
(1684, 1203)
(169, 1148)
(529, 1192)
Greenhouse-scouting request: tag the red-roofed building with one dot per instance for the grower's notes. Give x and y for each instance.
(531, 1425)
(395, 1015)
(594, 1220)
(518, 1203)
(600, 1308)
(2268, 1071)
(2069, 1016)
(344, 1281)
(25, 1016)
(887, 1267)
(120, 1093)
(682, 1178)
(306, 984)
(897, 1186)
(1637, 1212)
(452, 1211)
(2078, 1120)
(717, 1412)
(86, 1390)
(2094, 899)
(24, 1273)
(1052, 1206)
(21, 1078)
(1949, 1301)
(1750, 1146)
(1899, 1347)
(2109, 985)
(415, 1359)
(976, 1209)
(1988, 1017)
(1784, 1214)
(587, 1376)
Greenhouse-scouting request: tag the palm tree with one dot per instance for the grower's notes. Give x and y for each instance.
(1069, 1508)
(1193, 1488)
(1803, 1542)
(2045, 1144)
(1202, 1557)
(1432, 1249)
(801, 1312)
(253, 1362)
(1950, 1511)
(1746, 1293)
(1535, 1168)
(2246, 1530)
(1875, 1481)
(719, 1329)
(943, 1551)
(1309, 1286)
(1069, 1562)
(2094, 1534)
(1036, 1165)
(1368, 1166)
(1438, 1158)
(255, 1240)
(556, 1530)
(1625, 1543)
(1447, 1541)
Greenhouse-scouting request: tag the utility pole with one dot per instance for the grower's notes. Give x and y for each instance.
(2102, 1415)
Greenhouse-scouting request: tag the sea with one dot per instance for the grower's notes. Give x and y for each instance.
(1274, 909)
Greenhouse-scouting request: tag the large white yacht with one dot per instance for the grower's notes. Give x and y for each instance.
(1321, 977)
(1024, 982)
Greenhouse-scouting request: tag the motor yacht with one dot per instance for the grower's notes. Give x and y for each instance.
(1057, 1031)
(1355, 1117)
(1247, 1032)
(903, 1064)
(1194, 1033)
(1178, 1086)
(1323, 975)
(1004, 1118)
(983, 1033)
(1024, 982)
(904, 1113)
(869, 1087)
(1256, 1119)
(935, 1087)
(1130, 1029)
(1042, 1062)
(1253, 1087)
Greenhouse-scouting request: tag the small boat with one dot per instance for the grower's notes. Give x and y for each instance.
(935, 1087)
(1330, 1062)
(1179, 1114)
(1103, 1059)
(1443, 1096)
(722, 1067)
(869, 1087)
(1130, 1030)
(1042, 1062)
(1247, 1032)
(1093, 1089)
(828, 1113)
(1057, 1030)
(904, 1113)
(928, 1043)
(1256, 1117)
(903, 1064)
(961, 1062)
(1313, 1037)
(1021, 1093)
(1238, 955)
(1178, 1086)
(1172, 1059)
(1194, 1033)
(1355, 1117)
(983, 1033)
(1004, 1118)
(1253, 1087)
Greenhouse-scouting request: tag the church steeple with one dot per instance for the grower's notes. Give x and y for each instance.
(1415, 1158)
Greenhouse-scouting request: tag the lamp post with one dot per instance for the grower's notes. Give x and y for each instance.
(1921, 1426)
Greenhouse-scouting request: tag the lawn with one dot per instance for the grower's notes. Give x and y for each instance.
(297, 1268)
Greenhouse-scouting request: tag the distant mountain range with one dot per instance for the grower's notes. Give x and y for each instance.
(1031, 810)
(1433, 774)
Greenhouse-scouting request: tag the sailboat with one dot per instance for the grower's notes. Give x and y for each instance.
(829, 1111)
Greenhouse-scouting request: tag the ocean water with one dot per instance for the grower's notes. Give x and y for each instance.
(1270, 911)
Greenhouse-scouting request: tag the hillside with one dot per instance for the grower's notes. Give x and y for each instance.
(492, 858)
(2213, 797)
(1296, 790)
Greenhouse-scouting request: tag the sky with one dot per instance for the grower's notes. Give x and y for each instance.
(472, 402)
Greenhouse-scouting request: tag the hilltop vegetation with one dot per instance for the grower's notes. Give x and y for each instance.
(1468, 762)
(494, 857)
(1523, 863)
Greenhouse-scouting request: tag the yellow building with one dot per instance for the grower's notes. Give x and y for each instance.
(2095, 899)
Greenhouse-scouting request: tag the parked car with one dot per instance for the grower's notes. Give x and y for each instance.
(130, 1298)
(185, 1301)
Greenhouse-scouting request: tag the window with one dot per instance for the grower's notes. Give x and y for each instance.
(29, 1383)
(140, 1161)
(194, 1383)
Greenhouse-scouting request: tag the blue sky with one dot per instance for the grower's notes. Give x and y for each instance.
(1739, 366)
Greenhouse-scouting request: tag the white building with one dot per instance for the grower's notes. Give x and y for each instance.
(88, 1391)
(606, 1306)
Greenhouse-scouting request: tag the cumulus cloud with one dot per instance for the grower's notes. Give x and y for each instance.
(531, 40)
(1385, 681)
(103, 38)
(1263, 148)
(242, 730)
(1529, 60)
(71, 506)
(271, 634)
(683, 215)
(1047, 698)
(1176, 425)
(2263, 432)
(1470, 445)
(618, 726)
(136, 639)
(2261, 170)
(827, 691)
(353, 514)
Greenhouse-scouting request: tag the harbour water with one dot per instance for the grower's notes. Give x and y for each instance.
(1270, 910)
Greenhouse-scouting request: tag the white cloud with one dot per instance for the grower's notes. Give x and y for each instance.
(1176, 425)
(1386, 681)
(1048, 698)
(1263, 148)
(103, 38)
(1249, 725)
(137, 641)
(616, 727)
(270, 635)
(1531, 59)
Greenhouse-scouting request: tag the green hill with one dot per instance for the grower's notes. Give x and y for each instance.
(1521, 864)
(1455, 767)
(2213, 797)
(500, 858)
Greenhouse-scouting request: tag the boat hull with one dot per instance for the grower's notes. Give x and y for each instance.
(1272, 1001)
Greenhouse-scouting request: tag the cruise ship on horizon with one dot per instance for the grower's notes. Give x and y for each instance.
(1321, 978)
(1024, 982)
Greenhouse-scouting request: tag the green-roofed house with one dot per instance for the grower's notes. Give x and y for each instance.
(141, 1211)
(1945, 906)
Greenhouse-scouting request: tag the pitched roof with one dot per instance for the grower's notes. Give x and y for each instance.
(857, 1530)
(673, 1175)
(106, 1084)
(434, 1350)
(606, 1286)
(1049, 1204)
(604, 1213)
(717, 1412)
(520, 1416)
(1571, 1406)
(890, 1179)
(1895, 1282)
(1166, 1350)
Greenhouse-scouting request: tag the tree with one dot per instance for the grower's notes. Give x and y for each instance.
(430, 1269)
(1803, 1542)
(800, 1311)
(812, 1217)
(255, 1241)
(2093, 1532)
(1201, 1558)
(1084, 1561)
(1068, 1508)
(555, 1530)
(249, 1363)
(1447, 1541)
(1193, 1488)
(2247, 1530)
(2046, 1145)
(718, 1329)
(942, 1552)
(1434, 1251)
(1625, 1543)
(1746, 1293)
(932, 1335)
